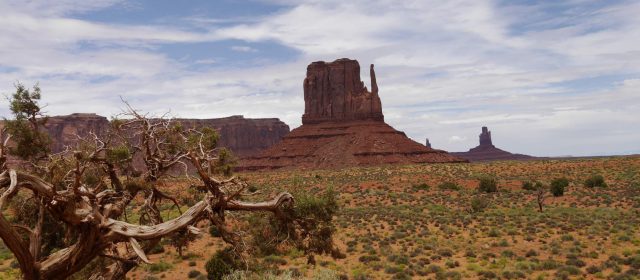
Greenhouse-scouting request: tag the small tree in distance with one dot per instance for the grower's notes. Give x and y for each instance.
(541, 192)
(558, 186)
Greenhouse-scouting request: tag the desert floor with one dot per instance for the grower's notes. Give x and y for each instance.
(398, 222)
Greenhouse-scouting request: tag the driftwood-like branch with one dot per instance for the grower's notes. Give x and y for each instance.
(91, 215)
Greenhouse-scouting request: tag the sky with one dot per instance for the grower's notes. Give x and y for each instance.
(549, 78)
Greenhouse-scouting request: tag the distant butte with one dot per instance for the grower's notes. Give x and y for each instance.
(342, 126)
(243, 136)
(486, 151)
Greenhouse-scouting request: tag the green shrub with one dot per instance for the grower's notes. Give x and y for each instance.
(567, 270)
(220, 264)
(531, 186)
(434, 268)
(421, 187)
(558, 186)
(451, 186)
(367, 259)
(479, 204)
(275, 260)
(193, 274)
(214, 231)
(487, 274)
(316, 232)
(531, 253)
(595, 181)
(592, 269)
(159, 266)
(488, 184)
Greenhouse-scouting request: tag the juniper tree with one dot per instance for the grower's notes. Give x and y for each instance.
(89, 190)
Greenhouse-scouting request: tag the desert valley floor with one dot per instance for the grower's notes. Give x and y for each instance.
(404, 222)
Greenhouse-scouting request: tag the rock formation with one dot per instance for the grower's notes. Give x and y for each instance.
(427, 144)
(486, 151)
(334, 92)
(342, 126)
(485, 137)
(244, 137)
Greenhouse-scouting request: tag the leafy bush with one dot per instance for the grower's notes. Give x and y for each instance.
(220, 264)
(558, 186)
(214, 231)
(421, 187)
(595, 181)
(531, 186)
(159, 267)
(479, 204)
(593, 269)
(488, 184)
(310, 218)
(449, 186)
(527, 186)
(193, 274)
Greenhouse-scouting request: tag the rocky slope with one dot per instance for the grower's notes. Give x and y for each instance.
(486, 151)
(342, 125)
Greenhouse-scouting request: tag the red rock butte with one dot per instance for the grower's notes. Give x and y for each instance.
(342, 126)
(486, 151)
(243, 136)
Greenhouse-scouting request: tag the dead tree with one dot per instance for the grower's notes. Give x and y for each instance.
(92, 211)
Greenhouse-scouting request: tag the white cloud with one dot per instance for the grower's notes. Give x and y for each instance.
(444, 67)
(456, 138)
(243, 49)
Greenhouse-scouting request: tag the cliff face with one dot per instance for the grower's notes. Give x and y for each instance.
(245, 137)
(342, 126)
(65, 130)
(486, 151)
(334, 92)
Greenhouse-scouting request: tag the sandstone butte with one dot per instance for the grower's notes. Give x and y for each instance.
(342, 126)
(244, 137)
(486, 151)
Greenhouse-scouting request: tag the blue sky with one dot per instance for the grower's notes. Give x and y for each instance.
(549, 78)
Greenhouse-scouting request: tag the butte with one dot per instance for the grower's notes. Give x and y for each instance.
(342, 126)
(486, 151)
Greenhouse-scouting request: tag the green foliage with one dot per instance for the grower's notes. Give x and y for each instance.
(207, 136)
(595, 181)
(320, 209)
(214, 231)
(225, 163)
(193, 274)
(181, 239)
(307, 225)
(221, 264)
(558, 186)
(449, 186)
(159, 267)
(29, 141)
(134, 186)
(488, 184)
(421, 187)
(26, 213)
(119, 154)
(479, 204)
